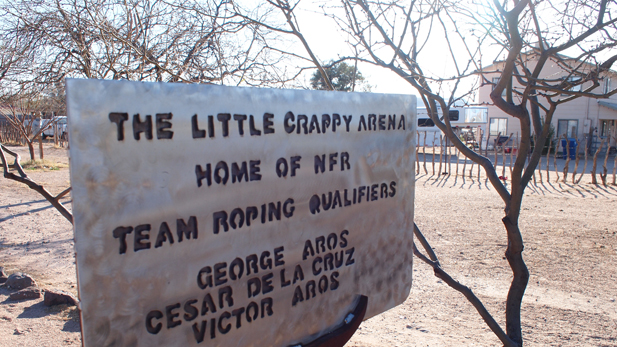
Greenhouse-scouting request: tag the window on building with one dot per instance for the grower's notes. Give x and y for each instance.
(498, 125)
(576, 88)
(495, 81)
(606, 127)
(425, 122)
(567, 126)
(453, 115)
(607, 85)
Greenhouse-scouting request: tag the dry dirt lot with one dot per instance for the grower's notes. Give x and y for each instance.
(571, 250)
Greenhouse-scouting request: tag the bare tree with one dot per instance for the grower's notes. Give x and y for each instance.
(395, 36)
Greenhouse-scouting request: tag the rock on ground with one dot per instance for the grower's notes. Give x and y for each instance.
(3, 277)
(59, 297)
(26, 294)
(20, 280)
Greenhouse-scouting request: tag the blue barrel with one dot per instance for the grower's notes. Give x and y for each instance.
(573, 145)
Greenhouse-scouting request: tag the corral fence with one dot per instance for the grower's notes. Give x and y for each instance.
(562, 160)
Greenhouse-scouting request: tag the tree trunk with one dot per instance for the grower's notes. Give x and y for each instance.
(31, 149)
(424, 154)
(41, 147)
(566, 166)
(548, 160)
(594, 180)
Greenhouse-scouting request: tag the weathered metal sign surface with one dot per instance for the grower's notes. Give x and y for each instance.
(222, 216)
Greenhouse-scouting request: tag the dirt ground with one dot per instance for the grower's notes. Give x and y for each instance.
(571, 251)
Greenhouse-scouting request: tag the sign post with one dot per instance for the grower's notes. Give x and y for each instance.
(227, 216)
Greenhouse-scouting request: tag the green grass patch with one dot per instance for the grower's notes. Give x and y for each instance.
(42, 165)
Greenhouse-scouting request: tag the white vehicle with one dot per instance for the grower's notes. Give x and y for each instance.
(59, 124)
(469, 122)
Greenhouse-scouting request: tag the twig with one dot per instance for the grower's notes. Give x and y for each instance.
(23, 178)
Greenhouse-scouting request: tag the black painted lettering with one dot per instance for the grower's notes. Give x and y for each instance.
(265, 262)
(164, 236)
(288, 211)
(346, 200)
(220, 273)
(336, 121)
(254, 169)
(240, 118)
(326, 203)
(224, 119)
(343, 242)
(334, 284)
(298, 296)
(332, 160)
(119, 119)
(190, 312)
(186, 230)
(153, 329)
(255, 307)
(221, 165)
(320, 243)
(236, 263)
(391, 122)
(401, 123)
(328, 262)
(325, 122)
(252, 130)
(211, 126)
(278, 256)
(197, 133)
(384, 191)
(200, 331)
(374, 191)
(204, 277)
(314, 125)
(284, 282)
(142, 127)
(266, 283)
(141, 242)
(120, 233)
(298, 274)
(268, 124)
(281, 172)
(331, 241)
(317, 266)
(338, 259)
(302, 122)
(347, 120)
(289, 127)
(238, 314)
(207, 305)
(350, 259)
(274, 210)
(225, 295)
(171, 316)
(362, 123)
(201, 174)
(236, 212)
(225, 330)
(237, 172)
(322, 285)
(392, 188)
(372, 120)
(308, 250)
(345, 161)
(251, 263)
(320, 163)
(162, 126)
(314, 204)
(251, 214)
(220, 219)
(382, 122)
(254, 286)
(337, 200)
(295, 164)
(310, 289)
(266, 307)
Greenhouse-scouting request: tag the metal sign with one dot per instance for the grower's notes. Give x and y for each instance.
(226, 216)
